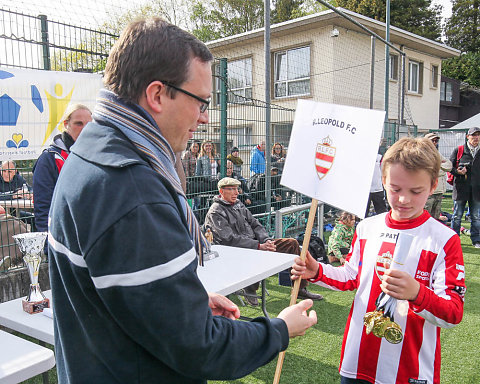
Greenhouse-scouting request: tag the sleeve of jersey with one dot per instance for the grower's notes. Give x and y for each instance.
(44, 179)
(442, 304)
(144, 269)
(342, 278)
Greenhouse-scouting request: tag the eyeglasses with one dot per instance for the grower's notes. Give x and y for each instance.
(435, 140)
(232, 189)
(205, 102)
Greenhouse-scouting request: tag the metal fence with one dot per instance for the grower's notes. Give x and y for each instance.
(237, 118)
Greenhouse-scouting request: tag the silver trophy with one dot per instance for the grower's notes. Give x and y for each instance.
(31, 245)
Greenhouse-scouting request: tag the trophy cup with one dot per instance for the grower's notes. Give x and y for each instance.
(31, 245)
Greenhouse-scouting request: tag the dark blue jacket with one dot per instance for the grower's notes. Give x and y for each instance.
(129, 307)
(45, 175)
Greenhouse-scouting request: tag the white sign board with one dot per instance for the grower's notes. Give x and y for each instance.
(332, 154)
(32, 104)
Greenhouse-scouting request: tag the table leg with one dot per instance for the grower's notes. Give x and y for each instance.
(44, 374)
(264, 301)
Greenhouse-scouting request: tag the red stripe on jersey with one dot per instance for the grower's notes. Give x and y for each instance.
(322, 169)
(322, 156)
(408, 366)
(425, 266)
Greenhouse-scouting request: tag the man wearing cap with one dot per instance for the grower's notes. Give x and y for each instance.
(233, 224)
(466, 185)
(434, 202)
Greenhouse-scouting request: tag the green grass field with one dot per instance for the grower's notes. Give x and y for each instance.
(314, 358)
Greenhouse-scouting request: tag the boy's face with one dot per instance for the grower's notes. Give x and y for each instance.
(407, 191)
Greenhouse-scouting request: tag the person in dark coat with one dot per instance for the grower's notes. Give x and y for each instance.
(466, 185)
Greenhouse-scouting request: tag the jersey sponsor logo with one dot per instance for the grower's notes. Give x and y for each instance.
(324, 157)
(417, 381)
(422, 275)
(384, 258)
(460, 267)
(388, 235)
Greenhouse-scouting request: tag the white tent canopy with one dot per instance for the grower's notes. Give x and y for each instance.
(473, 121)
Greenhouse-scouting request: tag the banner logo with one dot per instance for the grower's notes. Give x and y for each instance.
(324, 157)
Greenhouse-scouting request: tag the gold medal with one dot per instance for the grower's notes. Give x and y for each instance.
(372, 320)
(367, 317)
(380, 325)
(393, 334)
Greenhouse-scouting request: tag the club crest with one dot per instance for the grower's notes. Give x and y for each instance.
(384, 259)
(324, 156)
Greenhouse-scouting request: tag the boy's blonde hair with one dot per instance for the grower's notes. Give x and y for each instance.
(413, 154)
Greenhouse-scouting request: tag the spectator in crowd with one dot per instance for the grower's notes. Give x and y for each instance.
(236, 160)
(377, 194)
(257, 159)
(124, 243)
(208, 166)
(430, 286)
(341, 237)
(189, 159)
(10, 254)
(50, 162)
(466, 185)
(233, 224)
(257, 186)
(12, 184)
(278, 157)
(434, 201)
(243, 193)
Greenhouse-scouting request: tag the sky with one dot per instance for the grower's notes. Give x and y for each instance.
(447, 7)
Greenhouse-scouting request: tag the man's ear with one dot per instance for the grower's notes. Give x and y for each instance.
(154, 96)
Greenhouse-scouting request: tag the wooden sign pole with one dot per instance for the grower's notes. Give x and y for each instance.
(296, 285)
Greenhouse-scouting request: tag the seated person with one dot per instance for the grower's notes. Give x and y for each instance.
(12, 184)
(243, 193)
(10, 254)
(341, 238)
(232, 224)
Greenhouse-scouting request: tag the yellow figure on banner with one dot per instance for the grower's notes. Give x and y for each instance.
(56, 107)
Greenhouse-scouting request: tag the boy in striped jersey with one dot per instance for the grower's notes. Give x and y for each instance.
(430, 290)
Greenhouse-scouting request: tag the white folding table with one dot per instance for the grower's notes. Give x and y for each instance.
(21, 359)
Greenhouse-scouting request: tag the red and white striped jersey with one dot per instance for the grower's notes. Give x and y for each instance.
(435, 260)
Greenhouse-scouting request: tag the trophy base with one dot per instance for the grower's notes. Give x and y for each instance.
(35, 306)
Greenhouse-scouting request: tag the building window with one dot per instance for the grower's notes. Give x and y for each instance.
(239, 87)
(241, 136)
(292, 72)
(393, 67)
(446, 93)
(434, 76)
(281, 133)
(415, 76)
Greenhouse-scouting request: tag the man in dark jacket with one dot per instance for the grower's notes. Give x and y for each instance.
(233, 224)
(12, 184)
(124, 244)
(466, 185)
(50, 162)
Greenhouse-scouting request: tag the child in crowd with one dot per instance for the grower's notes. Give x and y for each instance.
(341, 238)
(430, 288)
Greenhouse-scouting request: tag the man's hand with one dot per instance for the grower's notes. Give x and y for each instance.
(269, 245)
(297, 319)
(221, 306)
(400, 285)
(307, 269)
(462, 170)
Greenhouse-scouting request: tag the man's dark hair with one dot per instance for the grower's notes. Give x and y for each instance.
(148, 50)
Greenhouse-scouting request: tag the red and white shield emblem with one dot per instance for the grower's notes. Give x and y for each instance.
(324, 156)
(384, 258)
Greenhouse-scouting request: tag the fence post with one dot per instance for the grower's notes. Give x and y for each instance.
(223, 116)
(45, 43)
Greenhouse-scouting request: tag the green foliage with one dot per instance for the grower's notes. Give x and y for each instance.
(285, 10)
(417, 16)
(461, 29)
(221, 18)
(465, 68)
